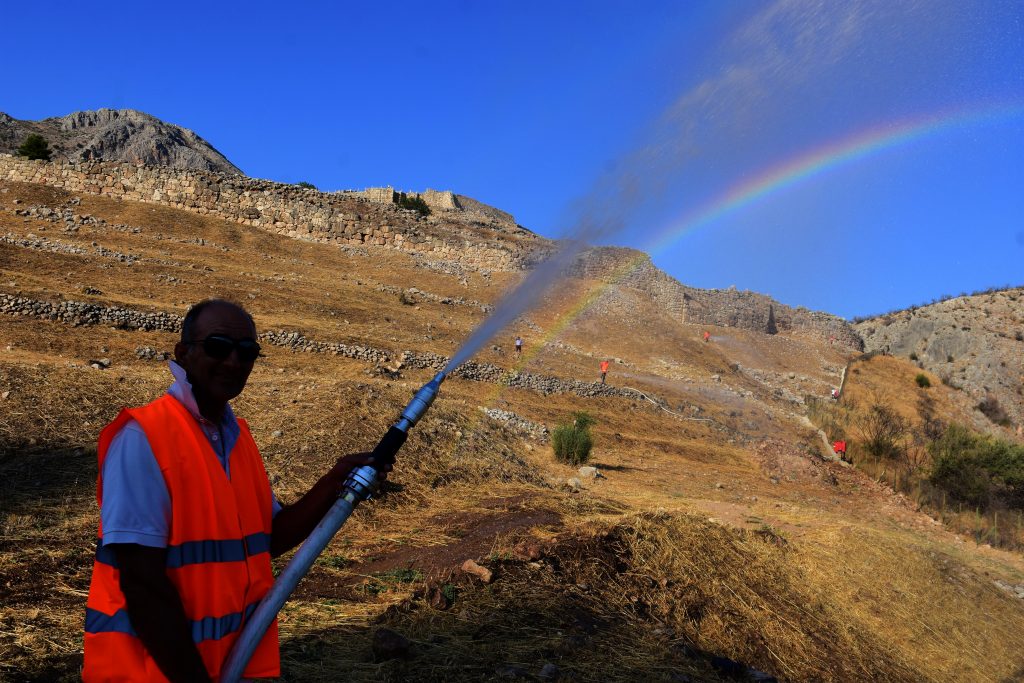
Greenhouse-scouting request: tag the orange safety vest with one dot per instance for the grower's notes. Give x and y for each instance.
(218, 553)
(604, 366)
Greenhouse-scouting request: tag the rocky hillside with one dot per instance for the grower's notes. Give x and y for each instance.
(975, 343)
(719, 307)
(117, 135)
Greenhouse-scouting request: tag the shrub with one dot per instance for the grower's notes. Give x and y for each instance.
(35, 147)
(949, 358)
(308, 186)
(1019, 336)
(415, 203)
(884, 431)
(978, 470)
(991, 408)
(922, 380)
(913, 355)
(573, 442)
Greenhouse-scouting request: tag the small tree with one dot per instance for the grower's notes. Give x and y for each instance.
(922, 380)
(35, 147)
(572, 443)
(308, 186)
(884, 431)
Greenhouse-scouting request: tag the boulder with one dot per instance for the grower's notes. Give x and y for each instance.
(482, 573)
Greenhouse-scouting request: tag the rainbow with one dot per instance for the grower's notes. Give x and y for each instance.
(826, 158)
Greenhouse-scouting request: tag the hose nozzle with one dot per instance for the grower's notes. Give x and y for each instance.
(419, 403)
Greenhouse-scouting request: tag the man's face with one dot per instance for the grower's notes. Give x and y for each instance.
(215, 380)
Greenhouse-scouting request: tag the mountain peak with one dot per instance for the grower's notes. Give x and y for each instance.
(117, 135)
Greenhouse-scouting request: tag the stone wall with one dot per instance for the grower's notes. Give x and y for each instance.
(344, 218)
(77, 313)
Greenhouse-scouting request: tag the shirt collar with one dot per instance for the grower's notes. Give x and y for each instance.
(181, 389)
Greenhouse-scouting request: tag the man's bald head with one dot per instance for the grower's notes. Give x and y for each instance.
(189, 326)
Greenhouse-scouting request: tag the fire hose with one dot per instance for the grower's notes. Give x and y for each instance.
(360, 485)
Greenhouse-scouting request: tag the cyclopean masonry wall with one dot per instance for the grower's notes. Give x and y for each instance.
(290, 210)
(474, 239)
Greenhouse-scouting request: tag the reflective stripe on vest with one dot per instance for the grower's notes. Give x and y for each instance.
(217, 554)
(196, 552)
(208, 628)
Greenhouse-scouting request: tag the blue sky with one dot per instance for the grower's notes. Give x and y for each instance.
(632, 112)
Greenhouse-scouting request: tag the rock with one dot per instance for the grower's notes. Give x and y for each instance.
(100, 364)
(277, 434)
(6, 395)
(512, 671)
(588, 472)
(548, 672)
(437, 599)
(388, 644)
(529, 551)
(719, 485)
(728, 666)
(482, 573)
(716, 378)
(574, 484)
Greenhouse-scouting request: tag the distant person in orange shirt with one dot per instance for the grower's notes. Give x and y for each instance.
(707, 337)
(604, 370)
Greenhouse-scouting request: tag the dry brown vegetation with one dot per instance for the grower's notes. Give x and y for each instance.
(718, 529)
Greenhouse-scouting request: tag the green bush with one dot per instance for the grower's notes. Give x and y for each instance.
(978, 470)
(922, 380)
(35, 147)
(308, 186)
(913, 356)
(573, 442)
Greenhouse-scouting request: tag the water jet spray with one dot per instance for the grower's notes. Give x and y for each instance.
(361, 484)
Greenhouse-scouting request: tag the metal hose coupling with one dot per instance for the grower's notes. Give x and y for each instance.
(362, 482)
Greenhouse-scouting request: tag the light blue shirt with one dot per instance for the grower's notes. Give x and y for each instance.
(136, 504)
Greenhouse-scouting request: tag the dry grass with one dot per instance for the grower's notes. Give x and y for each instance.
(811, 572)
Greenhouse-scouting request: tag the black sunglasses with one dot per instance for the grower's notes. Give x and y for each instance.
(219, 347)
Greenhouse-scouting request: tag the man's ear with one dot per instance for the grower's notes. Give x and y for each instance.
(180, 351)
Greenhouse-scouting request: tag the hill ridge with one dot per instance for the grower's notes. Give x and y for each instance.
(117, 135)
(449, 242)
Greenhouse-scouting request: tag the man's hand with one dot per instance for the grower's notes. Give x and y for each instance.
(294, 522)
(154, 608)
(346, 463)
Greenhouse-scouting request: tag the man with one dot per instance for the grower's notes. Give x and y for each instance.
(188, 523)
(604, 370)
(519, 346)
